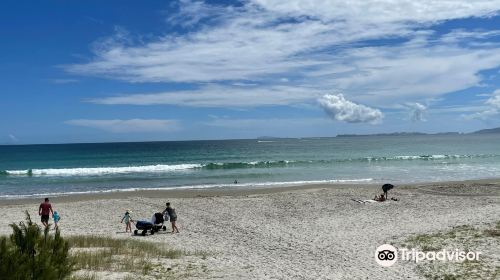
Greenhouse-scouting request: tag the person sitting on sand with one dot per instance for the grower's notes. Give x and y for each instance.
(56, 218)
(380, 198)
(128, 221)
(44, 211)
(173, 216)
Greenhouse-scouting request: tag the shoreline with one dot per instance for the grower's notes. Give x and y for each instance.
(226, 191)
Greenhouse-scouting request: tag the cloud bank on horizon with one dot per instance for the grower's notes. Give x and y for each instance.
(380, 54)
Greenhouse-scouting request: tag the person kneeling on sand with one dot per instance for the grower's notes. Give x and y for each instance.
(172, 215)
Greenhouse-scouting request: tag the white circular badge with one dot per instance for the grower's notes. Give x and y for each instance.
(386, 255)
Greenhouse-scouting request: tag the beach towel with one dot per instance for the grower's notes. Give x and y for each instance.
(364, 200)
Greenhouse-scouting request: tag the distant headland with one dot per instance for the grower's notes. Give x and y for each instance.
(482, 131)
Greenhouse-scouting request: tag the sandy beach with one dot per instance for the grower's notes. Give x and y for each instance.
(305, 232)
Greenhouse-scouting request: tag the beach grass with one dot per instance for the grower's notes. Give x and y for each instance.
(91, 254)
(467, 238)
(84, 276)
(124, 246)
(97, 253)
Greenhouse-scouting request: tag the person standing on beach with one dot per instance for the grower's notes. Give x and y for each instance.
(128, 221)
(172, 215)
(44, 211)
(56, 218)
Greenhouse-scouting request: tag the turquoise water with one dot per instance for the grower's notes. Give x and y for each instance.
(37, 170)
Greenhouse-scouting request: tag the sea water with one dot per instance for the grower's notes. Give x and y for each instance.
(40, 170)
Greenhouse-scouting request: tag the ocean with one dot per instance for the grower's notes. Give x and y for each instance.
(59, 169)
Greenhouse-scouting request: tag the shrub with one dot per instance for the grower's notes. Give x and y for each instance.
(30, 253)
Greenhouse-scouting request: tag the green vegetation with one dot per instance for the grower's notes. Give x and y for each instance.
(30, 253)
(97, 253)
(494, 232)
(467, 238)
(440, 240)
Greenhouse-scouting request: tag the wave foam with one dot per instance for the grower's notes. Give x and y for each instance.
(89, 171)
(209, 186)
(163, 168)
(426, 157)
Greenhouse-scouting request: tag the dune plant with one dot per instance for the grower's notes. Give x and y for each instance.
(30, 253)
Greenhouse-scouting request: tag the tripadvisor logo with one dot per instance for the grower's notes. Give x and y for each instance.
(387, 255)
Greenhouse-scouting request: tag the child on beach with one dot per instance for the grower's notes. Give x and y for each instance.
(56, 218)
(128, 221)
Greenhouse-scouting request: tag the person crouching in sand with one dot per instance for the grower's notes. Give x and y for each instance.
(128, 221)
(172, 215)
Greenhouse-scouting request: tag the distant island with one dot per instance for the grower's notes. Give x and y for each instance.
(487, 131)
(482, 131)
(399, 134)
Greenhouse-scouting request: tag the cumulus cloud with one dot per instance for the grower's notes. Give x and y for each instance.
(132, 125)
(417, 111)
(341, 109)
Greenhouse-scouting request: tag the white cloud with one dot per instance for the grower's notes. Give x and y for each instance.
(216, 96)
(13, 138)
(491, 109)
(314, 46)
(383, 10)
(405, 72)
(269, 47)
(417, 111)
(494, 100)
(132, 125)
(337, 107)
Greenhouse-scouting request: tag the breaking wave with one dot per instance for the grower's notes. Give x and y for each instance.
(165, 168)
(92, 171)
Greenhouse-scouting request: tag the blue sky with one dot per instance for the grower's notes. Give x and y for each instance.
(95, 71)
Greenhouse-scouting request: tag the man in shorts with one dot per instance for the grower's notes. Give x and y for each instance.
(44, 211)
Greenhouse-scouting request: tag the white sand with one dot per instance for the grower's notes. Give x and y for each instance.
(294, 234)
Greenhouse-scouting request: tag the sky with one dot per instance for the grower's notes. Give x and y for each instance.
(104, 71)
